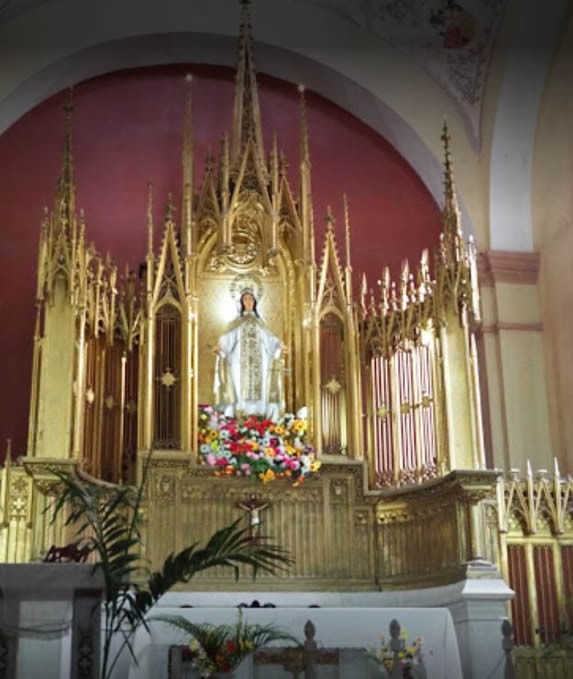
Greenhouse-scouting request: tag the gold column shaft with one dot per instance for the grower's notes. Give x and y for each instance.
(396, 415)
(532, 593)
(315, 366)
(417, 401)
(79, 401)
(35, 385)
(121, 442)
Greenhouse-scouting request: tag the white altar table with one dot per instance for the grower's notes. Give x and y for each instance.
(336, 627)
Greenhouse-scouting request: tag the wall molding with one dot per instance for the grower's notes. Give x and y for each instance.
(504, 266)
(496, 328)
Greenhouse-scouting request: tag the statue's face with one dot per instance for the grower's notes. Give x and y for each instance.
(248, 301)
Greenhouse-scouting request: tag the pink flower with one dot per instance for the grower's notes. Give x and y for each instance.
(246, 469)
(211, 459)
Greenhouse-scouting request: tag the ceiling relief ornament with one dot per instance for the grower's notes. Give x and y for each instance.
(451, 39)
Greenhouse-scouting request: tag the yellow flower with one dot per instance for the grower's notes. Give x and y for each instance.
(315, 466)
(269, 452)
(267, 476)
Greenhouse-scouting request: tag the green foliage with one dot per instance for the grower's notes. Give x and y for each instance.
(222, 647)
(107, 521)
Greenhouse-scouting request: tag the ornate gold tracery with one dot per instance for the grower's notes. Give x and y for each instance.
(375, 375)
(389, 378)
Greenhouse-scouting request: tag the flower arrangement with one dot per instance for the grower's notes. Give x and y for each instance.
(256, 446)
(219, 649)
(396, 649)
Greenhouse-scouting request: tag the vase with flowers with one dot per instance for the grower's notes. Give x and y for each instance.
(397, 657)
(256, 447)
(217, 650)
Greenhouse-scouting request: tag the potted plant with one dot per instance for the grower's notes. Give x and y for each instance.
(398, 658)
(216, 650)
(107, 519)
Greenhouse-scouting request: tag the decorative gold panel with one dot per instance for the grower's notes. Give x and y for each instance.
(217, 309)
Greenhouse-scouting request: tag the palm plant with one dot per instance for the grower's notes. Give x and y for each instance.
(221, 648)
(107, 520)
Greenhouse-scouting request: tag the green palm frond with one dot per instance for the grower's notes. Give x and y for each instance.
(108, 520)
(247, 637)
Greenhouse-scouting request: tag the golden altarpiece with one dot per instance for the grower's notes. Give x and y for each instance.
(388, 375)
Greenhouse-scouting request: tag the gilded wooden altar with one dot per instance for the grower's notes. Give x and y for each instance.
(388, 373)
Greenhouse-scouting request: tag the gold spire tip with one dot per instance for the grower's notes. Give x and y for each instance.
(188, 78)
(69, 105)
(301, 88)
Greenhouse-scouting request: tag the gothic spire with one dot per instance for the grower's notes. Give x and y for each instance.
(451, 210)
(187, 168)
(306, 209)
(451, 245)
(246, 113)
(66, 189)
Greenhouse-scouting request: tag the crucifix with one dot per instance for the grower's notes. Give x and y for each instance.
(254, 506)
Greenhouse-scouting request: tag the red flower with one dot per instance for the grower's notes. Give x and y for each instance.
(231, 646)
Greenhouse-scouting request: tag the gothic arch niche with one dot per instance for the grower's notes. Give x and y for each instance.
(167, 378)
(221, 276)
(333, 383)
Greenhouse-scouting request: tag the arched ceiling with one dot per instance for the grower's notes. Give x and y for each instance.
(452, 41)
(399, 65)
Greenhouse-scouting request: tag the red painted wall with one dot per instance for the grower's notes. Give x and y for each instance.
(128, 130)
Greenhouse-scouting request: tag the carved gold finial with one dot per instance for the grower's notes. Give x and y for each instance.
(225, 173)
(209, 160)
(404, 277)
(170, 212)
(187, 168)
(329, 219)
(188, 130)
(8, 458)
(347, 230)
(363, 292)
(448, 169)
(274, 163)
(424, 268)
(246, 114)
(283, 164)
(150, 218)
(451, 211)
(304, 148)
(66, 191)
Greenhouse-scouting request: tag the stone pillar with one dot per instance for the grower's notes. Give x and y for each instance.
(478, 608)
(514, 387)
(50, 621)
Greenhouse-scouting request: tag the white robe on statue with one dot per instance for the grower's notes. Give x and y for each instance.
(248, 374)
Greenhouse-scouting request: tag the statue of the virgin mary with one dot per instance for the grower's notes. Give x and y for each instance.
(248, 371)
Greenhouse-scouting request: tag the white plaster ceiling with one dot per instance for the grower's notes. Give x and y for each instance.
(348, 51)
(451, 39)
